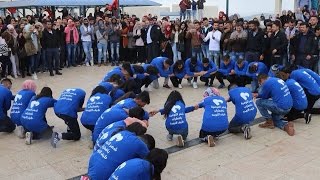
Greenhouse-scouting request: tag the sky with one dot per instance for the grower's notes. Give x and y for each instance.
(242, 7)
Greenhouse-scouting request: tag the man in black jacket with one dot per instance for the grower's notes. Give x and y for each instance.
(153, 39)
(278, 43)
(304, 47)
(51, 45)
(255, 42)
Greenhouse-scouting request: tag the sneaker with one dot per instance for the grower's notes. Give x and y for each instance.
(221, 86)
(246, 131)
(289, 128)
(34, 76)
(169, 137)
(180, 86)
(54, 139)
(189, 82)
(308, 117)
(166, 86)
(180, 141)
(87, 64)
(21, 132)
(28, 138)
(210, 140)
(268, 124)
(195, 85)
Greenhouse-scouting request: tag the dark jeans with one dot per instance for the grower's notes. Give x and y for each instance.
(53, 59)
(311, 101)
(203, 134)
(62, 53)
(206, 79)
(153, 51)
(294, 114)
(6, 64)
(309, 64)
(175, 81)
(141, 51)
(182, 132)
(146, 82)
(89, 127)
(220, 77)
(6, 125)
(74, 129)
(240, 81)
(254, 55)
(23, 64)
(235, 126)
(46, 134)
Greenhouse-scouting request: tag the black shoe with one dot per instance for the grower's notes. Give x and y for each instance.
(28, 74)
(58, 73)
(206, 84)
(166, 86)
(60, 69)
(23, 76)
(308, 117)
(51, 74)
(74, 65)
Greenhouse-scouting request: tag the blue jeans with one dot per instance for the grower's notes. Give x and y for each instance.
(194, 14)
(71, 48)
(182, 132)
(196, 52)
(43, 59)
(34, 62)
(102, 49)
(87, 50)
(205, 50)
(254, 85)
(115, 51)
(215, 56)
(277, 114)
(176, 53)
(182, 15)
(188, 11)
(236, 55)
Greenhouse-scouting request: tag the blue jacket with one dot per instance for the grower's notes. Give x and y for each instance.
(306, 80)
(152, 77)
(262, 69)
(212, 67)
(5, 101)
(191, 69)
(158, 63)
(241, 71)
(298, 95)
(116, 70)
(226, 69)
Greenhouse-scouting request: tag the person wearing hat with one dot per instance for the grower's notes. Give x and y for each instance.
(274, 96)
(254, 70)
(246, 111)
(215, 117)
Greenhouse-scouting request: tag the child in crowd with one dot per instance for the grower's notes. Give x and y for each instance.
(20, 104)
(34, 119)
(66, 108)
(215, 117)
(175, 113)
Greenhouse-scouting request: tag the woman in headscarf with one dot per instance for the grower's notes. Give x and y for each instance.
(125, 41)
(131, 44)
(14, 58)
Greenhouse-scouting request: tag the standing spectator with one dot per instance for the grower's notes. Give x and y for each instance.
(225, 38)
(5, 55)
(131, 44)
(51, 45)
(290, 31)
(183, 8)
(255, 42)
(188, 11)
(214, 38)
(23, 59)
(194, 34)
(303, 47)
(102, 39)
(238, 40)
(278, 43)
(204, 32)
(153, 39)
(176, 47)
(64, 12)
(200, 8)
(86, 37)
(94, 51)
(139, 43)
(114, 38)
(13, 45)
(72, 39)
(194, 5)
(313, 21)
(125, 41)
(97, 12)
(60, 26)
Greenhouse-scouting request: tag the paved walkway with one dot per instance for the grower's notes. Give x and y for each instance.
(270, 154)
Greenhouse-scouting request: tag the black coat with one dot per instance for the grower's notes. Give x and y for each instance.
(310, 47)
(155, 33)
(279, 42)
(256, 43)
(50, 40)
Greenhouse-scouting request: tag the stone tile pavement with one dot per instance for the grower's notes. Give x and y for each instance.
(270, 154)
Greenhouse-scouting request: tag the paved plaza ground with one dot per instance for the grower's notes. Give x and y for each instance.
(270, 154)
